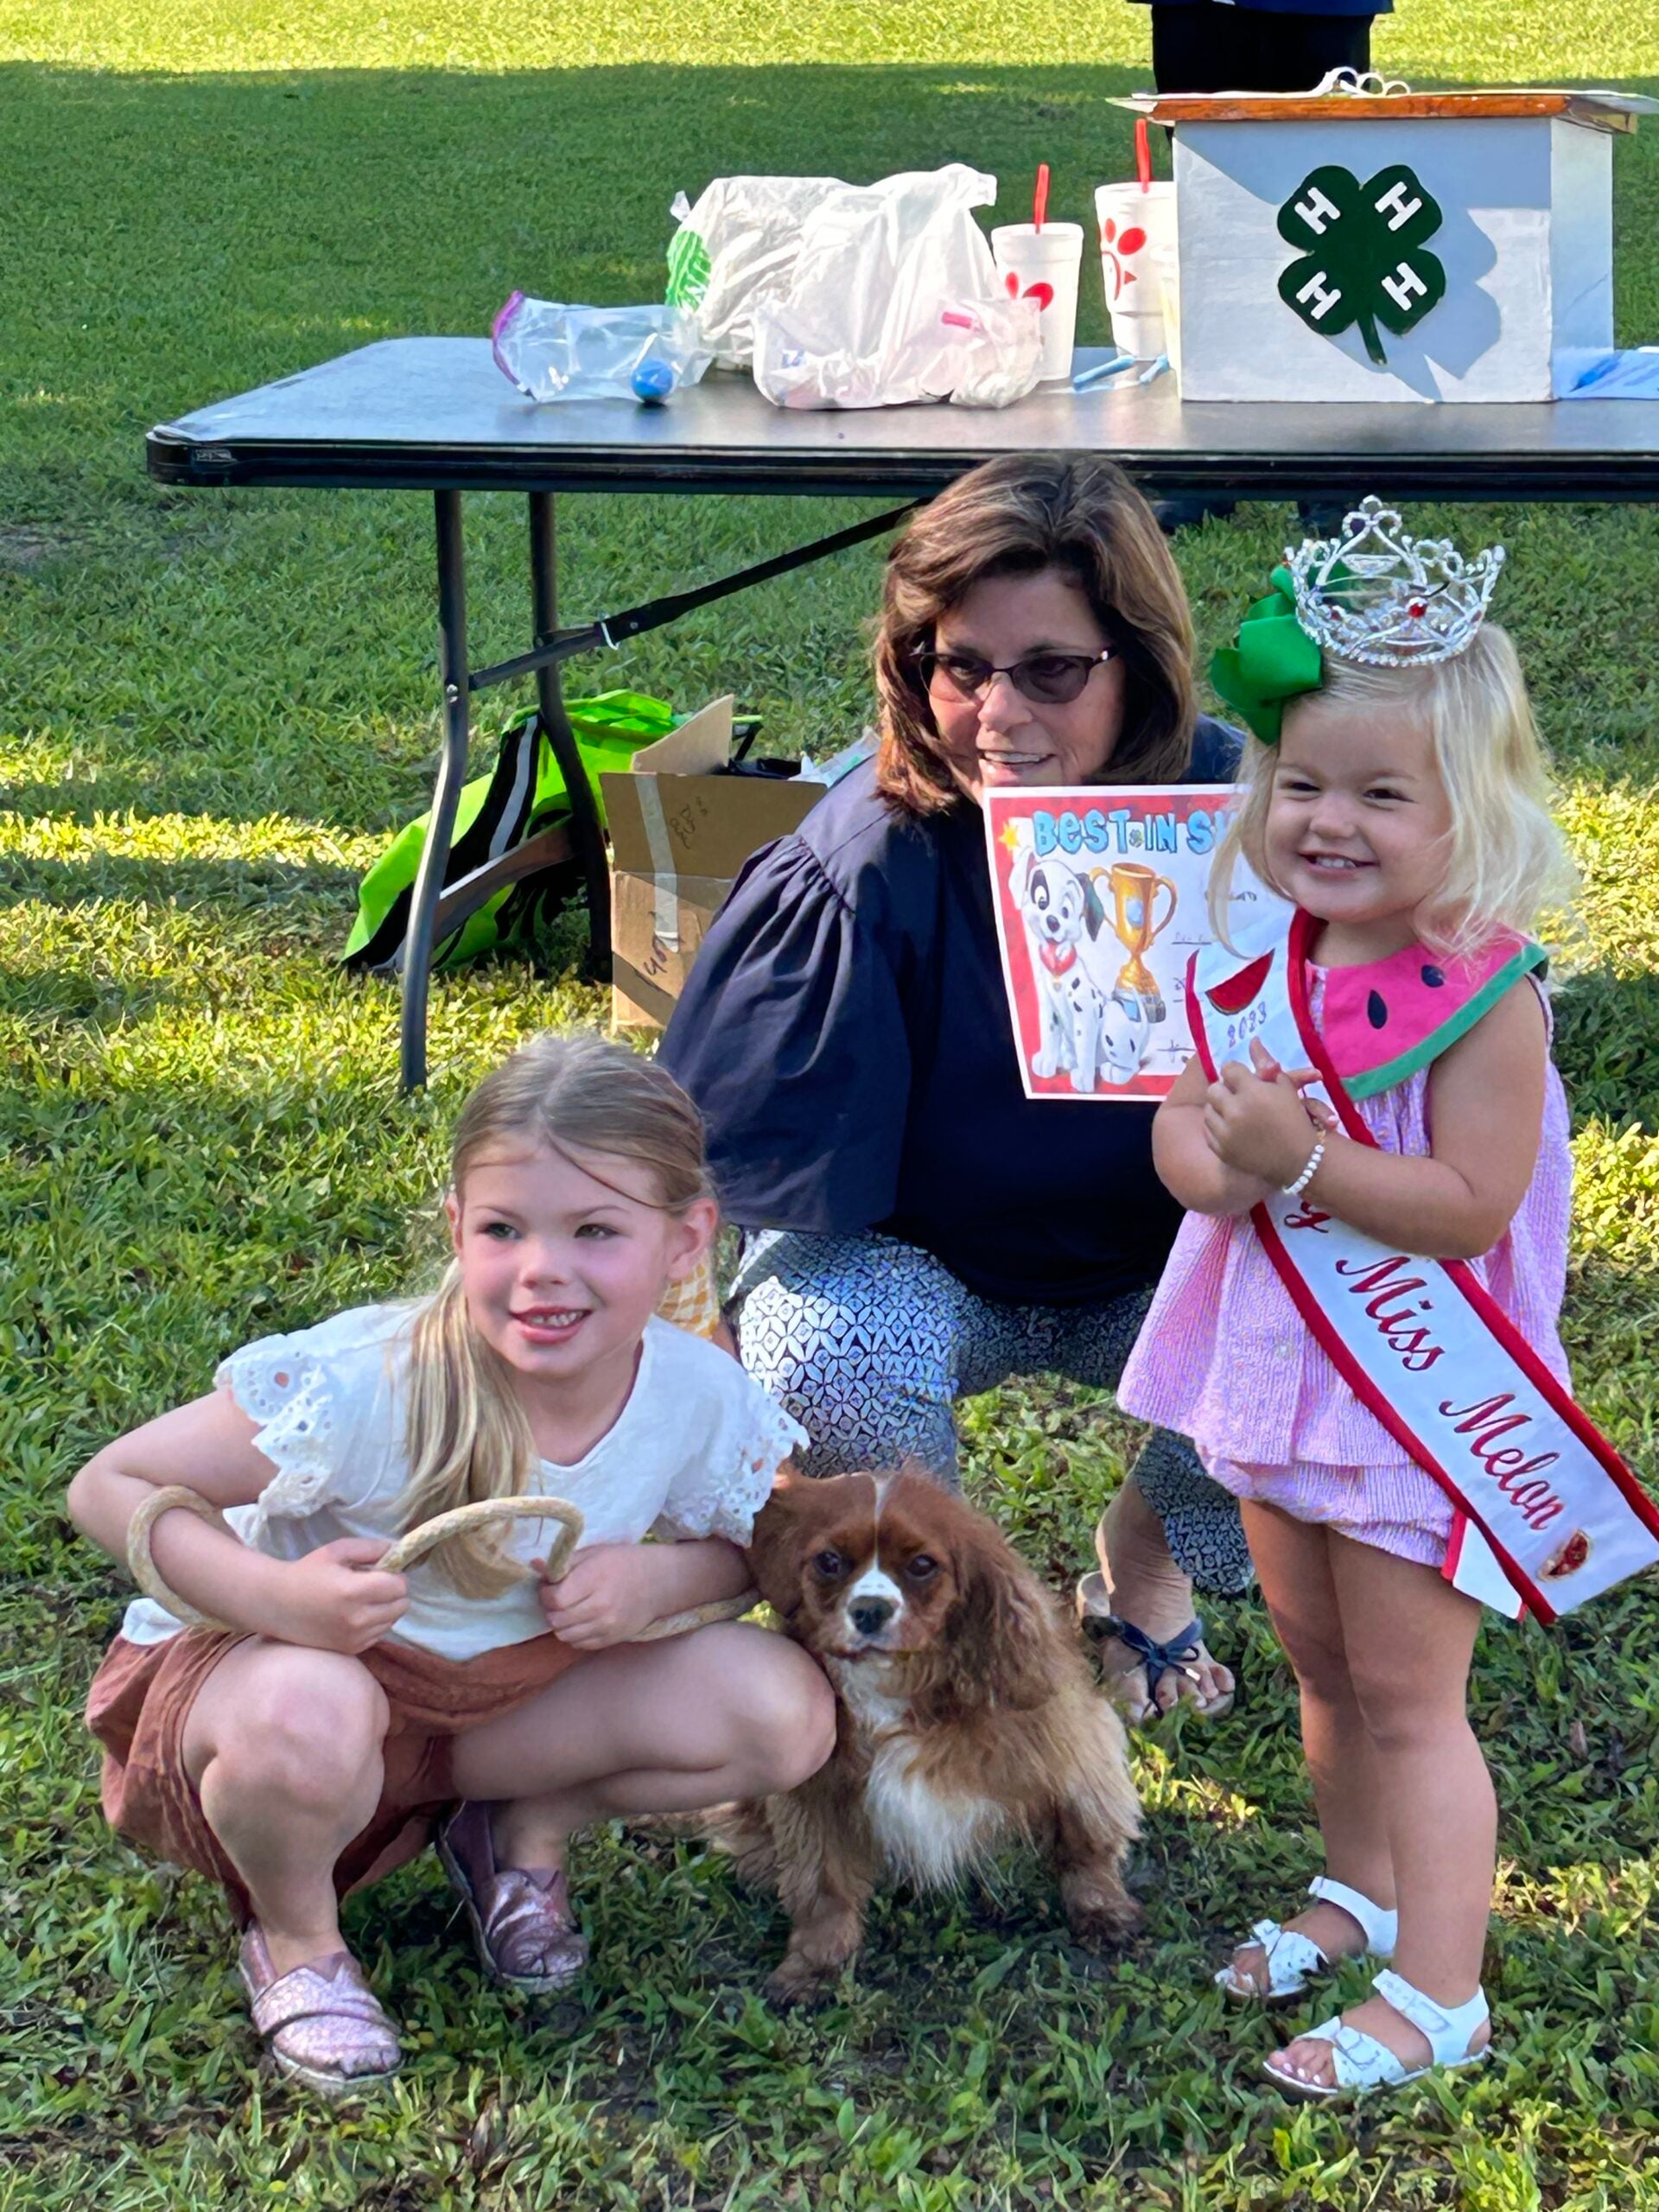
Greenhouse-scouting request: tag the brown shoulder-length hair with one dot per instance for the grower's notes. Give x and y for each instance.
(1011, 517)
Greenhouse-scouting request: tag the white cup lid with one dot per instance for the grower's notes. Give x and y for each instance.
(1057, 234)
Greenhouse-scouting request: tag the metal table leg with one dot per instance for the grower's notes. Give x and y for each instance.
(587, 837)
(434, 911)
(446, 794)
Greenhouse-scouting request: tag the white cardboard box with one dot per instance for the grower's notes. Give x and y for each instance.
(1524, 187)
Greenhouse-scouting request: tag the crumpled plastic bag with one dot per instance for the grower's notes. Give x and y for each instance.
(894, 298)
(553, 350)
(736, 247)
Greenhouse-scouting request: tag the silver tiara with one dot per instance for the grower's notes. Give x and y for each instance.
(1374, 594)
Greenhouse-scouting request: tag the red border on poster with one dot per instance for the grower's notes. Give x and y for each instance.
(1112, 840)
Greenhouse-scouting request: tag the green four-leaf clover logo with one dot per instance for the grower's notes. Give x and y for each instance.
(1365, 261)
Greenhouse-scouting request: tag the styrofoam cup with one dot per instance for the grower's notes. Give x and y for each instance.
(1136, 230)
(1044, 265)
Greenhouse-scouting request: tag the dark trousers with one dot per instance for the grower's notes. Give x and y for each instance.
(1210, 48)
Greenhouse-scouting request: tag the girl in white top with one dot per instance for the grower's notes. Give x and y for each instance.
(310, 1742)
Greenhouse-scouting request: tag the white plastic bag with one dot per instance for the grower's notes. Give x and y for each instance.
(735, 247)
(895, 298)
(552, 351)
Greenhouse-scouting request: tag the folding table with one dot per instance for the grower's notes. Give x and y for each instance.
(435, 415)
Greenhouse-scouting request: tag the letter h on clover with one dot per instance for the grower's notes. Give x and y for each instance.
(1365, 261)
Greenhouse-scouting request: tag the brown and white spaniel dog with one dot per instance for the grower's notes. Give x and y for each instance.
(969, 1719)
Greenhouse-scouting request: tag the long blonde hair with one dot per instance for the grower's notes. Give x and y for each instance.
(465, 1434)
(1506, 858)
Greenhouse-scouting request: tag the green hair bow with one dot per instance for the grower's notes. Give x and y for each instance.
(1274, 660)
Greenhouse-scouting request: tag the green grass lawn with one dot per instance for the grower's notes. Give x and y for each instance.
(213, 709)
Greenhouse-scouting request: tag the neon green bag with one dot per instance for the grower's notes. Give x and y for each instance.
(523, 794)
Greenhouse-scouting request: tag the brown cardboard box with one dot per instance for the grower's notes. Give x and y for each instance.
(679, 834)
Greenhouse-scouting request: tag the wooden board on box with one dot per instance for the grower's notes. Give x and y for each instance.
(1597, 111)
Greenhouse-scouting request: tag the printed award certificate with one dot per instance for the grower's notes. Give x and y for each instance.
(1101, 900)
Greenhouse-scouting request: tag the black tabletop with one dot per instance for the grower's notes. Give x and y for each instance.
(436, 413)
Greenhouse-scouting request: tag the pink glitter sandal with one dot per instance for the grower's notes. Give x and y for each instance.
(522, 1928)
(320, 2021)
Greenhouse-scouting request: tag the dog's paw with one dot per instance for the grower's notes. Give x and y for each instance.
(1103, 1922)
(798, 1985)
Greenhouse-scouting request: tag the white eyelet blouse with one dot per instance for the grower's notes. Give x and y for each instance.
(693, 1452)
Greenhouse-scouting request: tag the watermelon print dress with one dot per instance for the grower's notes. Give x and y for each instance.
(1224, 1357)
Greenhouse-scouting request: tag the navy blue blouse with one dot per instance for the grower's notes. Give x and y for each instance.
(845, 1031)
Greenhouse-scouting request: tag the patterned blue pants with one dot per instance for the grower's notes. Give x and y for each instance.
(869, 1343)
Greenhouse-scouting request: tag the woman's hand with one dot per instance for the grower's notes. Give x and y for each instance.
(607, 1595)
(333, 1599)
(1255, 1122)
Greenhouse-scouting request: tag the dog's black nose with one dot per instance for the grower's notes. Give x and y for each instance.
(871, 1615)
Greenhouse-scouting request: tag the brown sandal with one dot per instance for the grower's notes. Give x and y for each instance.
(321, 2022)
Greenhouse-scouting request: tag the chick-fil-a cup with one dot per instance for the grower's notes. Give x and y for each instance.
(1044, 265)
(1137, 241)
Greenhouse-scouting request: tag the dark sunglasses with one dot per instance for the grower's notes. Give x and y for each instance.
(1046, 679)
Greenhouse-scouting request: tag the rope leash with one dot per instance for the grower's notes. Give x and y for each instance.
(410, 1549)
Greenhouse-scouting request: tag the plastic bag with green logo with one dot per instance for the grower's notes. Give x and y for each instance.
(738, 246)
(523, 794)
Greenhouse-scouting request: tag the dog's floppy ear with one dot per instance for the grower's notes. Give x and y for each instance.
(1094, 913)
(1002, 1626)
(774, 1547)
(1022, 896)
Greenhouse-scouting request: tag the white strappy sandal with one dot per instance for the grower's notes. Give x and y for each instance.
(1293, 1958)
(1363, 2064)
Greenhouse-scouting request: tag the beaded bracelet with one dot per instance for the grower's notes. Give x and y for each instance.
(1294, 1190)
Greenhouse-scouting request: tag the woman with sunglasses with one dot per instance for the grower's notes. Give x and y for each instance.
(915, 1228)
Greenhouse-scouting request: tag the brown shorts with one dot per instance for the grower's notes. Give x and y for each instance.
(143, 1693)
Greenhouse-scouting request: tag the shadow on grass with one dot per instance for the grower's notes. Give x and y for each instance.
(252, 885)
(126, 781)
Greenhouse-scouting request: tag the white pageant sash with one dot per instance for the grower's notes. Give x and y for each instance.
(1425, 1347)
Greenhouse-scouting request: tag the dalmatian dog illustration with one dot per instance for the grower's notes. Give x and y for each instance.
(1084, 1033)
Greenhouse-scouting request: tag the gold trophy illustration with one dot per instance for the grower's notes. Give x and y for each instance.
(1134, 889)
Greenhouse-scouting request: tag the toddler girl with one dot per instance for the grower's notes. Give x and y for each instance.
(1394, 791)
(312, 1741)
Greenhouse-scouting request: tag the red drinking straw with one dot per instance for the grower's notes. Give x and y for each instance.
(1039, 198)
(1142, 154)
